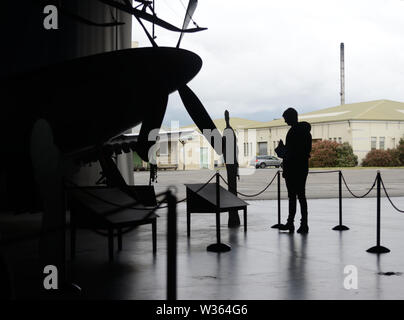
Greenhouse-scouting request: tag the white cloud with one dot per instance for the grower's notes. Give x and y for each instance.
(262, 56)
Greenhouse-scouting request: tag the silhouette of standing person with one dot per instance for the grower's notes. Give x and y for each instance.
(229, 144)
(296, 154)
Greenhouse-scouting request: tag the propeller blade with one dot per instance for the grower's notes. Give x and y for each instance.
(192, 4)
(200, 116)
(154, 119)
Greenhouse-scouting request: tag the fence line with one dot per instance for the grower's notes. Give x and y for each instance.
(258, 193)
(354, 195)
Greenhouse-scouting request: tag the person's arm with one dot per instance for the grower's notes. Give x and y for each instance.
(307, 144)
(280, 149)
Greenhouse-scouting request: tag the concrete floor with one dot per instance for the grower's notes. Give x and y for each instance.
(263, 263)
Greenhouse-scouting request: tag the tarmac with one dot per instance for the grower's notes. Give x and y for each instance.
(252, 181)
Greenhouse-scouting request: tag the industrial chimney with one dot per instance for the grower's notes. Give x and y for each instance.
(342, 66)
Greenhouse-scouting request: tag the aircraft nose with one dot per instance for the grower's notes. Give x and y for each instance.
(180, 66)
(160, 67)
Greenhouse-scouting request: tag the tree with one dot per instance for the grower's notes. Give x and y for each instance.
(345, 156)
(400, 150)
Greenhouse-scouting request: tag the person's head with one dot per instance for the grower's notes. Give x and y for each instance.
(226, 116)
(290, 116)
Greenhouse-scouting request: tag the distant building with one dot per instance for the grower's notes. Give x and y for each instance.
(365, 126)
(201, 154)
(186, 147)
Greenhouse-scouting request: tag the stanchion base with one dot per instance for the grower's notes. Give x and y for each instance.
(340, 228)
(378, 249)
(218, 247)
(276, 226)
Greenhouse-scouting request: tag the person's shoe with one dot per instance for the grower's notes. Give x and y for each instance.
(303, 229)
(287, 227)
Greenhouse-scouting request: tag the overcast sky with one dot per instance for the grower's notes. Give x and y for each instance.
(262, 56)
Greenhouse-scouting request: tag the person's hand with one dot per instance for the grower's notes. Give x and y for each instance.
(280, 149)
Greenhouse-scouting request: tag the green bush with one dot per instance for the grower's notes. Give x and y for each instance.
(332, 154)
(345, 156)
(382, 158)
(400, 150)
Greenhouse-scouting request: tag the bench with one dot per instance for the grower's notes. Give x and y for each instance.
(166, 166)
(202, 199)
(94, 208)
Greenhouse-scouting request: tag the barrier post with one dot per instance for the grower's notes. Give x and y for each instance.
(378, 248)
(340, 226)
(218, 246)
(171, 247)
(276, 226)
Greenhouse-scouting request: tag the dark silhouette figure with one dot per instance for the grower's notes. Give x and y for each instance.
(296, 154)
(230, 158)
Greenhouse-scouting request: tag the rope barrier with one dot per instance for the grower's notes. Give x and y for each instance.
(256, 194)
(205, 184)
(130, 206)
(388, 197)
(314, 172)
(106, 201)
(126, 230)
(331, 171)
(354, 195)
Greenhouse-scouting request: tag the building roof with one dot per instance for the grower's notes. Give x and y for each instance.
(235, 123)
(381, 110)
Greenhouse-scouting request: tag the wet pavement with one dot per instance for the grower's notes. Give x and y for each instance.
(263, 263)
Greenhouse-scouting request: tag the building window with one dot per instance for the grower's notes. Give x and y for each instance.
(262, 148)
(245, 149)
(250, 151)
(381, 143)
(393, 142)
(373, 141)
(339, 140)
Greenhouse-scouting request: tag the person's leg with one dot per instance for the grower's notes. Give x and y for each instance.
(292, 206)
(303, 205)
(234, 218)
